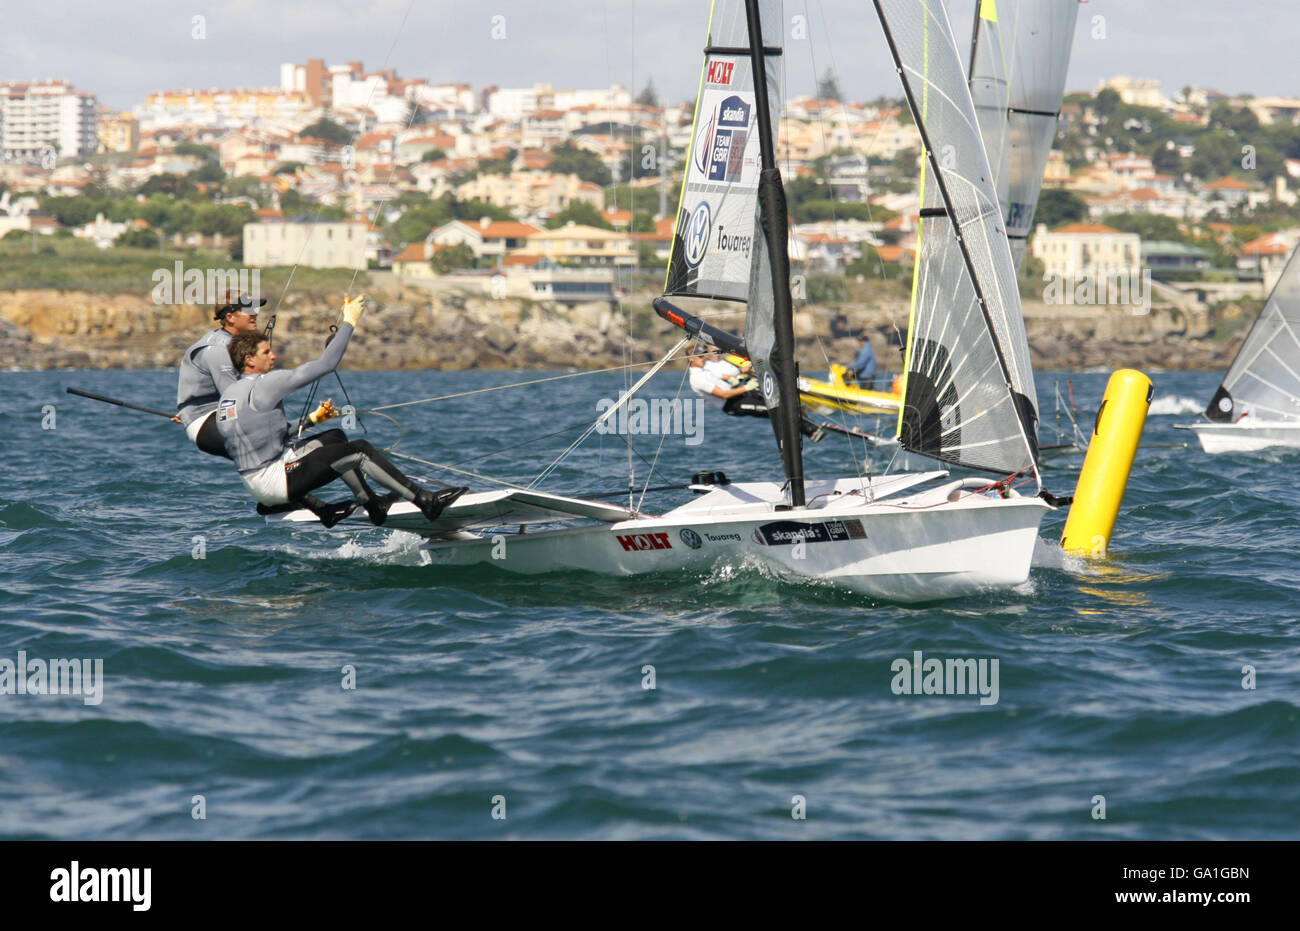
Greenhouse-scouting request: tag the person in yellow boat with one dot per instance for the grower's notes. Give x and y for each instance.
(863, 369)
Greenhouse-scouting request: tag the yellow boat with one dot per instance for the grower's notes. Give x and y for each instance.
(838, 395)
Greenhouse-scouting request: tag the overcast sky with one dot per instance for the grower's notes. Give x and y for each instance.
(123, 49)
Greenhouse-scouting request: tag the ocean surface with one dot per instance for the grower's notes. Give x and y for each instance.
(491, 705)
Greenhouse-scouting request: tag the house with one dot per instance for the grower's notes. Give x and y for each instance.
(1169, 260)
(306, 242)
(1079, 251)
(488, 238)
(572, 244)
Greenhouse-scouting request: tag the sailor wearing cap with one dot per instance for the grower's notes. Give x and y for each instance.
(206, 371)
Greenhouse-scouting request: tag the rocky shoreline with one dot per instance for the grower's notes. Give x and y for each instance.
(409, 328)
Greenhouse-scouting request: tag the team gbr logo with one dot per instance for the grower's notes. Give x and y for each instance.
(696, 240)
(769, 385)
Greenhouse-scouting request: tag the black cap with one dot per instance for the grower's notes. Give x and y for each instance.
(241, 303)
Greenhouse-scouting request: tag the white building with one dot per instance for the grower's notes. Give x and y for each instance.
(39, 119)
(323, 244)
(1081, 252)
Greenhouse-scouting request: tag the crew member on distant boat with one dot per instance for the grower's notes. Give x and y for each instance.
(709, 381)
(863, 368)
(206, 371)
(251, 420)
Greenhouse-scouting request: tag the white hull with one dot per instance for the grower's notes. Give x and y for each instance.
(1246, 436)
(917, 548)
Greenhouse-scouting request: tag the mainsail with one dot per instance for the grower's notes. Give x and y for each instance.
(713, 245)
(969, 393)
(1020, 51)
(731, 239)
(1264, 378)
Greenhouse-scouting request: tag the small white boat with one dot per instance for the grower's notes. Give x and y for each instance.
(1257, 406)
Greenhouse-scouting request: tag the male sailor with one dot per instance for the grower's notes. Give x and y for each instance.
(863, 369)
(251, 420)
(708, 378)
(206, 371)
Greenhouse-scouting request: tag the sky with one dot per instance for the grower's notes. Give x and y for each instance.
(121, 50)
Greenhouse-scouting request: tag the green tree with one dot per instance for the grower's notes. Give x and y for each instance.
(209, 172)
(828, 88)
(648, 97)
(452, 258)
(70, 211)
(1233, 119)
(193, 148)
(1148, 226)
(433, 155)
(1056, 207)
(327, 131)
(1106, 102)
(581, 213)
(568, 159)
(137, 239)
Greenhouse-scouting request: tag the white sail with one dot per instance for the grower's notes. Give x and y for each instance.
(1264, 378)
(1019, 56)
(969, 395)
(714, 243)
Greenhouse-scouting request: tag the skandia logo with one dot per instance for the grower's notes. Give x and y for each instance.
(733, 111)
(720, 72)
(88, 884)
(636, 542)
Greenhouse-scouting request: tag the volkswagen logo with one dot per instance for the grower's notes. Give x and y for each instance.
(691, 539)
(696, 240)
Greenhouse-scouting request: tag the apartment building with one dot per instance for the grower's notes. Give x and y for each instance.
(39, 118)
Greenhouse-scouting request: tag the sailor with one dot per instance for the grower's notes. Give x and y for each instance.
(709, 381)
(250, 417)
(863, 369)
(206, 371)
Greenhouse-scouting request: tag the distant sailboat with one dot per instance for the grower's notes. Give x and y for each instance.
(1257, 404)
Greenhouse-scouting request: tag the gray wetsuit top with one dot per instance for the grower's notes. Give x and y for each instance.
(250, 413)
(206, 371)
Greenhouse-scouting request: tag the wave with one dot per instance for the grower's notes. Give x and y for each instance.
(1170, 405)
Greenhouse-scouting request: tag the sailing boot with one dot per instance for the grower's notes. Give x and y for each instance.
(431, 503)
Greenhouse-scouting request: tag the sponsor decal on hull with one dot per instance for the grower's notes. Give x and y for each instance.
(789, 532)
(691, 538)
(637, 542)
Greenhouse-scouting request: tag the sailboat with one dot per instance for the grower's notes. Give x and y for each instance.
(1257, 405)
(969, 393)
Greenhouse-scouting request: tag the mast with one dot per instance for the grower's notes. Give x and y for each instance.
(773, 217)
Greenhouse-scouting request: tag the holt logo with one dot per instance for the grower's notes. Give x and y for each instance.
(720, 72)
(644, 541)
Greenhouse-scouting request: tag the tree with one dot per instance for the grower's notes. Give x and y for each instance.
(433, 155)
(137, 239)
(648, 97)
(568, 159)
(581, 213)
(209, 172)
(1233, 119)
(1106, 102)
(452, 258)
(1148, 226)
(328, 131)
(193, 148)
(287, 168)
(1056, 207)
(828, 88)
(1167, 160)
(70, 211)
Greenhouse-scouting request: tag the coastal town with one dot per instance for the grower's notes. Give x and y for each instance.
(1152, 197)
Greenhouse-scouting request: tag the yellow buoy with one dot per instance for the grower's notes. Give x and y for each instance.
(1106, 468)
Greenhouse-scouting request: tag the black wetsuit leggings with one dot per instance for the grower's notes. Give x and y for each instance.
(332, 456)
(751, 404)
(209, 437)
